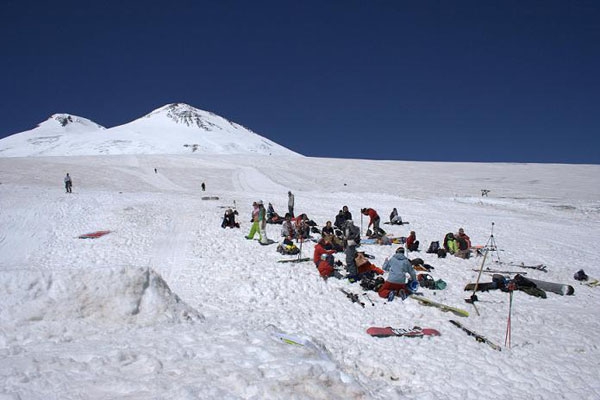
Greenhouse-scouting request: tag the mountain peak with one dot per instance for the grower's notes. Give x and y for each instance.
(68, 120)
(185, 114)
(176, 128)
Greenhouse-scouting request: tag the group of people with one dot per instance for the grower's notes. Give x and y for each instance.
(344, 236)
(458, 244)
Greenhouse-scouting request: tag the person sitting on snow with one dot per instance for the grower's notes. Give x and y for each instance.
(323, 251)
(328, 229)
(450, 243)
(343, 216)
(398, 267)
(301, 223)
(229, 219)
(364, 266)
(323, 259)
(395, 219)
(288, 230)
(412, 244)
(464, 244)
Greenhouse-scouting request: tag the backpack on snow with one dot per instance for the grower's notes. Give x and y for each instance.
(290, 249)
(433, 247)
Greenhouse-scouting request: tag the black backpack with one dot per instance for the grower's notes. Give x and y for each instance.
(433, 247)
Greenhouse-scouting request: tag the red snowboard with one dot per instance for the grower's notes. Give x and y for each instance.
(93, 235)
(414, 332)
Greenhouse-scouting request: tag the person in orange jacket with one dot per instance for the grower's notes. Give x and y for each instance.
(365, 267)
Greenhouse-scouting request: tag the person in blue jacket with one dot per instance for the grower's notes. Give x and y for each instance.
(398, 267)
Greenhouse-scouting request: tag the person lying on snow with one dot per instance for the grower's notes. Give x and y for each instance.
(398, 267)
(272, 216)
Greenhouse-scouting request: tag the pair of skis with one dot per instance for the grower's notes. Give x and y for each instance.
(353, 297)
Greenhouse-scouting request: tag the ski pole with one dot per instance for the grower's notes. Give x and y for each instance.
(300, 252)
(508, 323)
(361, 225)
(474, 296)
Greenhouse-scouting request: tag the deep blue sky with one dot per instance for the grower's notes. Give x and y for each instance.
(504, 80)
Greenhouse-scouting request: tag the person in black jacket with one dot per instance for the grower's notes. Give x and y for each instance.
(343, 216)
(351, 240)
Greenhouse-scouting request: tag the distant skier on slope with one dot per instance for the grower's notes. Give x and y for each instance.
(68, 183)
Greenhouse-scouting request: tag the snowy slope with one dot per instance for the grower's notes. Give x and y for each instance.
(173, 129)
(169, 305)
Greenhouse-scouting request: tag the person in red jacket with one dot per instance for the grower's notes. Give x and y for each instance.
(323, 250)
(373, 220)
(412, 244)
(323, 258)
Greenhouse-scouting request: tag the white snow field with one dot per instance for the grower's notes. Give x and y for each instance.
(169, 305)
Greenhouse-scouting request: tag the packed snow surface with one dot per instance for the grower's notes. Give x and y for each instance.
(169, 305)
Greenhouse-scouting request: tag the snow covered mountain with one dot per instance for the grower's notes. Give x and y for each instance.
(172, 129)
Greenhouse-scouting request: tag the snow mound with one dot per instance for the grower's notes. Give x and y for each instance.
(106, 296)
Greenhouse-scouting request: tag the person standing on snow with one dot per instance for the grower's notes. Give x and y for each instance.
(68, 183)
(262, 223)
(351, 240)
(373, 220)
(291, 204)
(255, 227)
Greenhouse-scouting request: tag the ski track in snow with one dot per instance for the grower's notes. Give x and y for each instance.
(81, 319)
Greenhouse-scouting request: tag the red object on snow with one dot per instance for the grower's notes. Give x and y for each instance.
(93, 235)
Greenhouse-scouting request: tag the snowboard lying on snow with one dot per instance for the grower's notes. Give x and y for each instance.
(413, 332)
(558, 288)
(427, 302)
